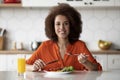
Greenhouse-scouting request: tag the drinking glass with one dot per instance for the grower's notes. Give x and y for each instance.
(21, 65)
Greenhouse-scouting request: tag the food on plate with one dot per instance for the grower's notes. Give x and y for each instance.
(67, 69)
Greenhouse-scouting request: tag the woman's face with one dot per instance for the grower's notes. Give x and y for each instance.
(62, 26)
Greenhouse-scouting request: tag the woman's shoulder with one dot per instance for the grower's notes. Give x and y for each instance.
(79, 42)
(48, 42)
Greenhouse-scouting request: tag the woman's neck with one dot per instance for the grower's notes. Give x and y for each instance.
(63, 42)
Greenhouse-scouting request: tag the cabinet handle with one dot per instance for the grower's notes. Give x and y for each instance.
(85, 3)
(95, 57)
(113, 61)
(90, 3)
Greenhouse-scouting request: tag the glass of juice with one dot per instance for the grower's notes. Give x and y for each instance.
(21, 65)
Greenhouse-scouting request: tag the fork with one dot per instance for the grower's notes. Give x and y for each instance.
(74, 54)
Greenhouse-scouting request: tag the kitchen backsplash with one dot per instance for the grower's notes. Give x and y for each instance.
(27, 24)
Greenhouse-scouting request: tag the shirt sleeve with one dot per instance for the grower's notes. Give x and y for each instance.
(91, 58)
(35, 55)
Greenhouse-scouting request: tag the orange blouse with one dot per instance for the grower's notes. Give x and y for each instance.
(48, 51)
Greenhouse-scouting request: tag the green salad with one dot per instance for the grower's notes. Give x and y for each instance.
(66, 69)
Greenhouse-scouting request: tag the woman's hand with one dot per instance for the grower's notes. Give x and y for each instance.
(38, 65)
(82, 58)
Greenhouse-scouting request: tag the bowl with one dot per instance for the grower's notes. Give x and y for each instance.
(104, 45)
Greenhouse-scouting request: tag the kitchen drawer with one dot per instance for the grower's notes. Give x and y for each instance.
(114, 61)
(102, 59)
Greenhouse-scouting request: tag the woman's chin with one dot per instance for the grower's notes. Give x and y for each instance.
(63, 37)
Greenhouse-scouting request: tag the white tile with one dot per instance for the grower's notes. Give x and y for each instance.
(7, 13)
(39, 24)
(106, 24)
(3, 23)
(34, 14)
(13, 24)
(116, 24)
(87, 35)
(100, 13)
(26, 24)
(100, 35)
(113, 13)
(113, 35)
(87, 13)
(93, 24)
(20, 13)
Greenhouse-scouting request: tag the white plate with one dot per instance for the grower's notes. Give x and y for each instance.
(56, 72)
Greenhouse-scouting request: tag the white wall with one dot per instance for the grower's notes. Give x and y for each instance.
(27, 24)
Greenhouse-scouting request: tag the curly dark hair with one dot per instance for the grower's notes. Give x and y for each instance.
(73, 16)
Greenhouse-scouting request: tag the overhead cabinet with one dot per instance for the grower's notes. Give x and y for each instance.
(117, 2)
(88, 3)
(75, 3)
(39, 3)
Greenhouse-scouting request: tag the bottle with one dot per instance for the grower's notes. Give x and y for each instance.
(34, 45)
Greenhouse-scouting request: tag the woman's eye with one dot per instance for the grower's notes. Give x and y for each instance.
(57, 24)
(66, 23)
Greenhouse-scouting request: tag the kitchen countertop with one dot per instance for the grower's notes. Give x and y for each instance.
(30, 52)
(77, 75)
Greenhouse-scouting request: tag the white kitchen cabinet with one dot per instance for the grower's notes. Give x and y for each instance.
(11, 62)
(102, 2)
(8, 62)
(117, 2)
(3, 62)
(39, 3)
(102, 59)
(113, 61)
(108, 61)
(89, 3)
(75, 3)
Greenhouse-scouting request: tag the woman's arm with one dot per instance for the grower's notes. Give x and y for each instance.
(29, 67)
(82, 58)
(37, 65)
(90, 66)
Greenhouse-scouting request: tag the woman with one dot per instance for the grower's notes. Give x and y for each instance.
(63, 27)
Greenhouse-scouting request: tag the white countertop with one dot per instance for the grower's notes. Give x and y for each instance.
(30, 52)
(77, 75)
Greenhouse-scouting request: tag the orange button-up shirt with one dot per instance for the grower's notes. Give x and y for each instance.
(49, 51)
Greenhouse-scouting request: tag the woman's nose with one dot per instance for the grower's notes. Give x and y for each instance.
(62, 26)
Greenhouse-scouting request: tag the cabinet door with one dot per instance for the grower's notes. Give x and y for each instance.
(100, 2)
(11, 63)
(3, 62)
(102, 59)
(103, 2)
(114, 61)
(39, 3)
(89, 3)
(117, 2)
(75, 3)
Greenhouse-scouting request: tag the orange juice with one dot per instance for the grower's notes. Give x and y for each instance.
(21, 65)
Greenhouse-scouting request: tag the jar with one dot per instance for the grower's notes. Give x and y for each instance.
(12, 1)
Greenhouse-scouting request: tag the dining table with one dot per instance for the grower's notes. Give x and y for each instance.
(75, 75)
